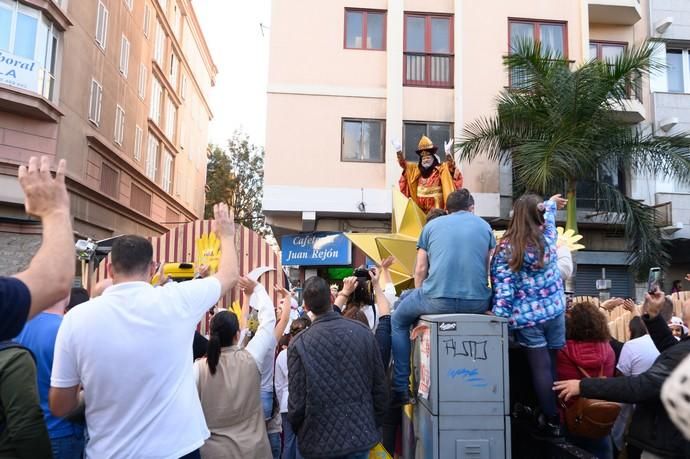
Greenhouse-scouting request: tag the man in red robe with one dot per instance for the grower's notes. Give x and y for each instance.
(429, 182)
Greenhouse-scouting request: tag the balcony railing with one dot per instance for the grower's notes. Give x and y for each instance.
(428, 70)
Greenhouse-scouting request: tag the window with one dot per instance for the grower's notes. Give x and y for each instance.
(109, 180)
(183, 86)
(142, 81)
(95, 102)
(174, 68)
(138, 140)
(413, 131)
(102, 25)
(159, 45)
(156, 100)
(176, 20)
(170, 120)
(140, 200)
(677, 73)
(551, 35)
(119, 133)
(147, 20)
(606, 51)
(363, 141)
(588, 196)
(152, 157)
(428, 59)
(130, 4)
(28, 38)
(124, 56)
(369, 24)
(167, 172)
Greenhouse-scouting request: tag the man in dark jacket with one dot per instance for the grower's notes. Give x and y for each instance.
(337, 394)
(651, 430)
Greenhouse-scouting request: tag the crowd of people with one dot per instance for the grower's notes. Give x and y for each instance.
(123, 372)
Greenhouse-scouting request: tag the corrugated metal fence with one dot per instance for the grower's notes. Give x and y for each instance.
(179, 245)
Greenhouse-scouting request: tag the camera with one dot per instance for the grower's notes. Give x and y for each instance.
(364, 293)
(85, 248)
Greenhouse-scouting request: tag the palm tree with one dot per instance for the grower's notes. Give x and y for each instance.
(561, 127)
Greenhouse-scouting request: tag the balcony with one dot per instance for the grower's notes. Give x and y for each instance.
(619, 12)
(428, 70)
(632, 109)
(673, 214)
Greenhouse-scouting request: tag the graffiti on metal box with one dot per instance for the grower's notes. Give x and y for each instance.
(476, 350)
(468, 375)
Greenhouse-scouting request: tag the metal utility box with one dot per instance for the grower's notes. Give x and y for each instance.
(461, 367)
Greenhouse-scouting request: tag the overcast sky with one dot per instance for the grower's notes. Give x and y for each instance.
(240, 51)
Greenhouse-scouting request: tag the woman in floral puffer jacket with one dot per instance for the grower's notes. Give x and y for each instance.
(528, 290)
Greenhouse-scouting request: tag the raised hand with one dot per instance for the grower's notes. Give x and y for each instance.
(396, 145)
(448, 147)
(654, 302)
(349, 285)
(247, 285)
(629, 305)
(284, 293)
(223, 221)
(611, 304)
(560, 201)
(44, 195)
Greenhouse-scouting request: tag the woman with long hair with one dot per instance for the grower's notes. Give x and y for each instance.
(587, 353)
(528, 291)
(228, 382)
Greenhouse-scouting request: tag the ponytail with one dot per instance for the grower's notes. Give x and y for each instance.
(213, 352)
(224, 328)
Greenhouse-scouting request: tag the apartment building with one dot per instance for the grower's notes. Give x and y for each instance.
(366, 72)
(120, 89)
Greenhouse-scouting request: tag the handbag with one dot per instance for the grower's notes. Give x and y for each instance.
(590, 417)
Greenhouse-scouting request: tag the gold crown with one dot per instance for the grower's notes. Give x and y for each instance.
(425, 144)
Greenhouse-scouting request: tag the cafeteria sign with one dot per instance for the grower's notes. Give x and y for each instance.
(19, 72)
(316, 249)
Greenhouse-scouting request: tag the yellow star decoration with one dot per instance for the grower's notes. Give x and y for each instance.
(407, 221)
(236, 308)
(208, 251)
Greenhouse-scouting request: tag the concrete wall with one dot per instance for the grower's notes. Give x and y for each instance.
(16, 251)
(679, 11)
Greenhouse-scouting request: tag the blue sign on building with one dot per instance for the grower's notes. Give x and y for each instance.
(316, 249)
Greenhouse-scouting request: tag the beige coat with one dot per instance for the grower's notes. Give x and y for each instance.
(232, 407)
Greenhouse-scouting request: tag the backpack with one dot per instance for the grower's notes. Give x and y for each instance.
(589, 417)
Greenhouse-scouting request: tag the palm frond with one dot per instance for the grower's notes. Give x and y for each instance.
(645, 244)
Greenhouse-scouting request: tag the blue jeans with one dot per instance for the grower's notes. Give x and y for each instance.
(549, 334)
(412, 304)
(69, 447)
(290, 450)
(274, 440)
(267, 404)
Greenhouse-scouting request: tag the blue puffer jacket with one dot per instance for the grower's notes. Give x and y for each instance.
(534, 294)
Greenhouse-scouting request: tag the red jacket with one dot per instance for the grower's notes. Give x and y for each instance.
(588, 355)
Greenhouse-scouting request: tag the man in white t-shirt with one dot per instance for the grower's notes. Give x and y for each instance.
(131, 351)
